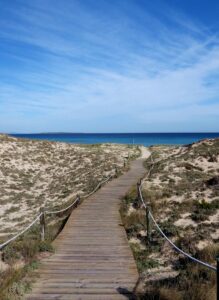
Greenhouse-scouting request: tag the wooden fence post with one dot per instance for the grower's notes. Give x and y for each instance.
(116, 172)
(124, 163)
(148, 224)
(78, 200)
(138, 195)
(42, 224)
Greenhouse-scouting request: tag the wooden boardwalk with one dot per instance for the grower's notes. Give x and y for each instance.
(93, 259)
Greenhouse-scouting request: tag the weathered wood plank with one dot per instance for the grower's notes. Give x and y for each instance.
(80, 297)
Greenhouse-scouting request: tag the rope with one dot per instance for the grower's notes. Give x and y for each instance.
(96, 188)
(169, 241)
(22, 232)
(78, 198)
(61, 210)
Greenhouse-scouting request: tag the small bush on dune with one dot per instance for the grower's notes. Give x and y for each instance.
(134, 218)
(45, 246)
(15, 282)
(169, 294)
(131, 196)
(202, 209)
(209, 253)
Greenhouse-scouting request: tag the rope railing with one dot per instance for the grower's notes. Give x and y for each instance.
(41, 215)
(64, 209)
(97, 187)
(150, 215)
(77, 200)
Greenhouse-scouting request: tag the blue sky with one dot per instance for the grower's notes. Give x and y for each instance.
(109, 66)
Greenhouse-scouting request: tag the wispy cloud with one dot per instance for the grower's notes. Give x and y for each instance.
(105, 66)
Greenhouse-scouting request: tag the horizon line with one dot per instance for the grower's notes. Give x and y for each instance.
(155, 132)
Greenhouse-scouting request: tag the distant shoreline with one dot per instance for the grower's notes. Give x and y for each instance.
(146, 139)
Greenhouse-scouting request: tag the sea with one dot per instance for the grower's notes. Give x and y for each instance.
(146, 139)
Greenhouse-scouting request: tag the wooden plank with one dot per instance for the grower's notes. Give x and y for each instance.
(80, 297)
(89, 291)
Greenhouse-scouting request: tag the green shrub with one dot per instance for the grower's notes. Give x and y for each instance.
(15, 282)
(45, 246)
(147, 263)
(202, 209)
(169, 228)
(10, 255)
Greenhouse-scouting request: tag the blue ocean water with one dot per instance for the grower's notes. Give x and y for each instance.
(145, 139)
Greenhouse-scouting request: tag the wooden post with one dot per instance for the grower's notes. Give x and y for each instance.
(42, 224)
(126, 161)
(116, 172)
(138, 195)
(78, 200)
(217, 284)
(148, 224)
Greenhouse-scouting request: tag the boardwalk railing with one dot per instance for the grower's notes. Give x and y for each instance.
(43, 212)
